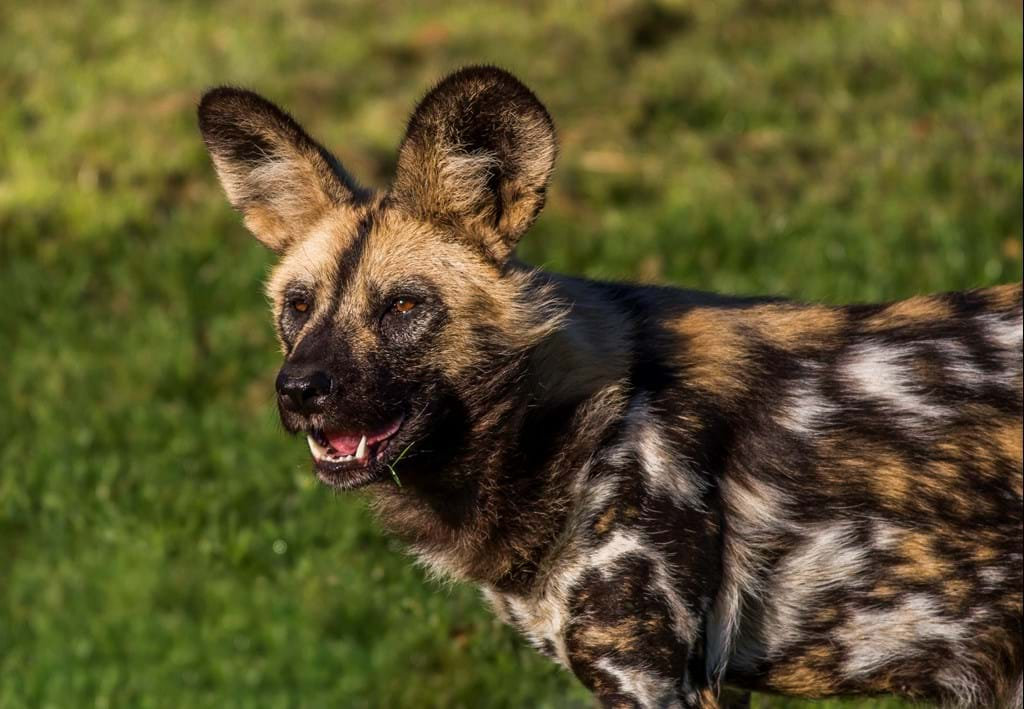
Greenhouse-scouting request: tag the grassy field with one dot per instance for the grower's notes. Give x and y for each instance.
(162, 543)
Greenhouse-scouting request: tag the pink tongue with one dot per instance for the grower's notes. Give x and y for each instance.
(346, 443)
(343, 443)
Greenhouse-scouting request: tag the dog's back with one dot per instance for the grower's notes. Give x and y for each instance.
(861, 467)
(872, 497)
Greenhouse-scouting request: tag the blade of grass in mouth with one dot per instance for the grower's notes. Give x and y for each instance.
(391, 466)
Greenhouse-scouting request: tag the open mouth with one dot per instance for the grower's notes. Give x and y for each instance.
(336, 448)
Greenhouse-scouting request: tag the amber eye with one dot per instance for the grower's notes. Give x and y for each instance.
(299, 305)
(403, 305)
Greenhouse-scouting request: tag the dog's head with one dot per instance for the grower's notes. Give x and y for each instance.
(400, 314)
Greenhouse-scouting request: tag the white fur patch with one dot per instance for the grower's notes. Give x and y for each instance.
(757, 515)
(465, 178)
(620, 544)
(877, 638)
(1007, 334)
(664, 472)
(887, 535)
(806, 409)
(883, 375)
(827, 560)
(960, 364)
(542, 616)
(630, 544)
(647, 688)
(542, 619)
(963, 682)
(993, 576)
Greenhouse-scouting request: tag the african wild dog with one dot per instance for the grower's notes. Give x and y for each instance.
(665, 491)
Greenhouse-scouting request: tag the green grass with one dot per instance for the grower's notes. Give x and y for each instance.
(162, 543)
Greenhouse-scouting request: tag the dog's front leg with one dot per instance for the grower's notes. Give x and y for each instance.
(628, 679)
(629, 640)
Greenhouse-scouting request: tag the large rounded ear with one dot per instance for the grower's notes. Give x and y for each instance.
(280, 179)
(477, 156)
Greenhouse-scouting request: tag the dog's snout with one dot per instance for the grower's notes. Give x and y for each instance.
(303, 391)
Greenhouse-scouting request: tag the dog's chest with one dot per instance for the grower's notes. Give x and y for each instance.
(541, 620)
(633, 492)
(544, 615)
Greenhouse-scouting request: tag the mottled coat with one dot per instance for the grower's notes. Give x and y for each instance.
(667, 492)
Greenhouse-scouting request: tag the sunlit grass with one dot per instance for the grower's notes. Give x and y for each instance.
(163, 542)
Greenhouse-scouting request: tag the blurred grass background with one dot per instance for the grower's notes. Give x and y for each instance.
(162, 544)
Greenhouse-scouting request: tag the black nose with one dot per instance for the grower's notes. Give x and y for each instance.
(303, 391)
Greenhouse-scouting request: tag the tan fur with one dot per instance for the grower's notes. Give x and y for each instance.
(1005, 297)
(909, 312)
(714, 352)
(792, 327)
(803, 680)
(312, 256)
(444, 179)
(285, 184)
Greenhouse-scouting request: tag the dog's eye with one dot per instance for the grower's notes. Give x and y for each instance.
(299, 305)
(403, 305)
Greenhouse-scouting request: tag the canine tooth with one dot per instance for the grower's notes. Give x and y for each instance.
(315, 448)
(361, 449)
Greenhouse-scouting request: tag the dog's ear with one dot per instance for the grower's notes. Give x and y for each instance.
(280, 179)
(477, 157)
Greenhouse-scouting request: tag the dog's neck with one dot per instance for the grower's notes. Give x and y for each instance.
(502, 505)
(588, 352)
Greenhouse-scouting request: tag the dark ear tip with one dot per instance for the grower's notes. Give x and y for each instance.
(218, 96)
(484, 85)
(488, 73)
(227, 102)
(490, 76)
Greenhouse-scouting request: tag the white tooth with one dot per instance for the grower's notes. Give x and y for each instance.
(361, 449)
(315, 448)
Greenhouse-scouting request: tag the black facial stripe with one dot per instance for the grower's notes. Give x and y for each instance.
(348, 262)
(347, 265)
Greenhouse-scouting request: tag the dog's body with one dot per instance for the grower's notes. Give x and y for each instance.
(817, 500)
(663, 490)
